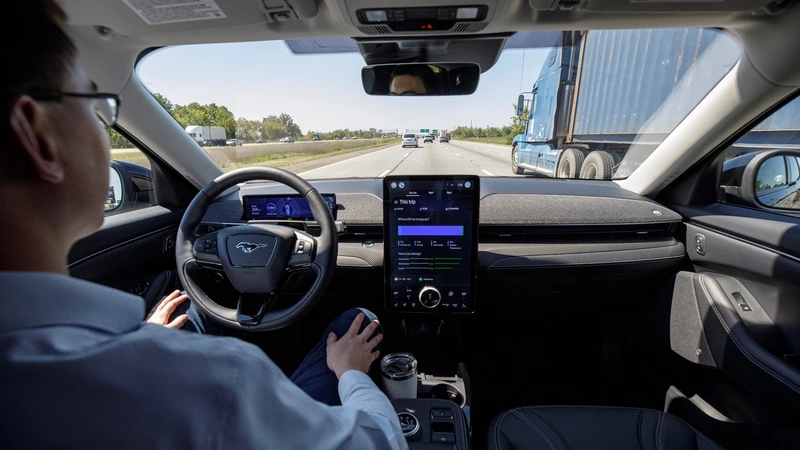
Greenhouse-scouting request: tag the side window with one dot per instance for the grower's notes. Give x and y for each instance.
(130, 178)
(762, 169)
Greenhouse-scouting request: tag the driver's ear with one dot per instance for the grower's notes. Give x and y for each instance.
(32, 140)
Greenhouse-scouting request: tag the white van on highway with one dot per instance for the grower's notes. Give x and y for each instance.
(410, 139)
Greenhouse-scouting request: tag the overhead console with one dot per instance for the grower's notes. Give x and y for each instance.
(383, 17)
(430, 243)
(422, 19)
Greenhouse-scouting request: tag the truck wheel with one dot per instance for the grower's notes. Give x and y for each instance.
(570, 163)
(515, 162)
(597, 166)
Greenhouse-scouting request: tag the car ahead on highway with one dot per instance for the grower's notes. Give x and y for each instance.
(261, 141)
(410, 140)
(233, 142)
(316, 138)
(287, 140)
(444, 139)
(428, 138)
(672, 288)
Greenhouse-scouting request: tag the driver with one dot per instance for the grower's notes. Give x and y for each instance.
(412, 79)
(79, 367)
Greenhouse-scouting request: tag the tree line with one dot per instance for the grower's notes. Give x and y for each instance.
(347, 133)
(516, 127)
(270, 128)
(192, 114)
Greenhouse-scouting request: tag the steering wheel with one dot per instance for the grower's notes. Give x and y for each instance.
(256, 258)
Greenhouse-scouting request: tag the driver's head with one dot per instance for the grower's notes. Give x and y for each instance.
(413, 79)
(54, 174)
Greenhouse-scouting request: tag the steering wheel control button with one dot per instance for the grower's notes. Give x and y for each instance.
(409, 424)
(429, 297)
(206, 245)
(251, 250)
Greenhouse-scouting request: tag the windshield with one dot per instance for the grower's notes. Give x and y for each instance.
(585, 102)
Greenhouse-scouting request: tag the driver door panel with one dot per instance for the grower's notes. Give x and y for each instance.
(133, 252)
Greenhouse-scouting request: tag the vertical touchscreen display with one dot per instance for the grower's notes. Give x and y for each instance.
(430, 243)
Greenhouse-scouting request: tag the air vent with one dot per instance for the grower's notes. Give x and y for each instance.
(359, 233)
(375, 30)
(468, 27)
(540, 233)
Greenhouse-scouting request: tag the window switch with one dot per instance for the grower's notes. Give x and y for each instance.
(741, 302)
(700, 244)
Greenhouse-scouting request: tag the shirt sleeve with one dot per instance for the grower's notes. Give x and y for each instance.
(267, 410)
(357, 390)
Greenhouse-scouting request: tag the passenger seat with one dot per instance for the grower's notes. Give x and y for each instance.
(592, 427)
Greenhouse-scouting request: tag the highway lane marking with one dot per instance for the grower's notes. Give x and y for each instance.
(384, 173)
(456, 154)
(345, 160)
(405, 155)
(487, 172)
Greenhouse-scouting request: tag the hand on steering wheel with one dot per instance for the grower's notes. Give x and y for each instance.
(256, 258)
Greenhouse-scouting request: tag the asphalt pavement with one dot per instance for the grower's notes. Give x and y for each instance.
(455, 157)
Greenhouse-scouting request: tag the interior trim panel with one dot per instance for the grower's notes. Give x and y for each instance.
(541, 255)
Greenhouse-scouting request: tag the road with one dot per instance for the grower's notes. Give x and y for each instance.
(455, 157)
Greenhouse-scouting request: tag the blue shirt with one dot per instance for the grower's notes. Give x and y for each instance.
(80, 369)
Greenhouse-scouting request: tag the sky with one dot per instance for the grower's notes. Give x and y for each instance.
(323, 92)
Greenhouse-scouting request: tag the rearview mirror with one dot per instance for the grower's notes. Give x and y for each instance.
(520, 104)
(421, 79)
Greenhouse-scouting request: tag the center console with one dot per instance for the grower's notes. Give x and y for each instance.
(430, 270)
(432, 423)
(433, 411)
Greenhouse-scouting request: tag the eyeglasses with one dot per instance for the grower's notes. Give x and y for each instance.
(106, 105)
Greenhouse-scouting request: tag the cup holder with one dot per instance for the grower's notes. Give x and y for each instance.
(447, 391)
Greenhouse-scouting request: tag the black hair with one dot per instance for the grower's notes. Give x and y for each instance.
(38, 47)
(418, 70)
(42, 55)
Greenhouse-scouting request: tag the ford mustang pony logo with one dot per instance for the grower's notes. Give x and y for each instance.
(248, 247)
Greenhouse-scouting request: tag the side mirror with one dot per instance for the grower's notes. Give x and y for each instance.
(130, 187)
(772, 180)
(115, 190)
(520, 104)
(421, 79)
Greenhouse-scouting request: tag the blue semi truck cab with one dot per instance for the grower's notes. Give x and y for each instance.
(599, 92)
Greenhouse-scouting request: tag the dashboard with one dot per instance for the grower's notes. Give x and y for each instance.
(513, 229)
